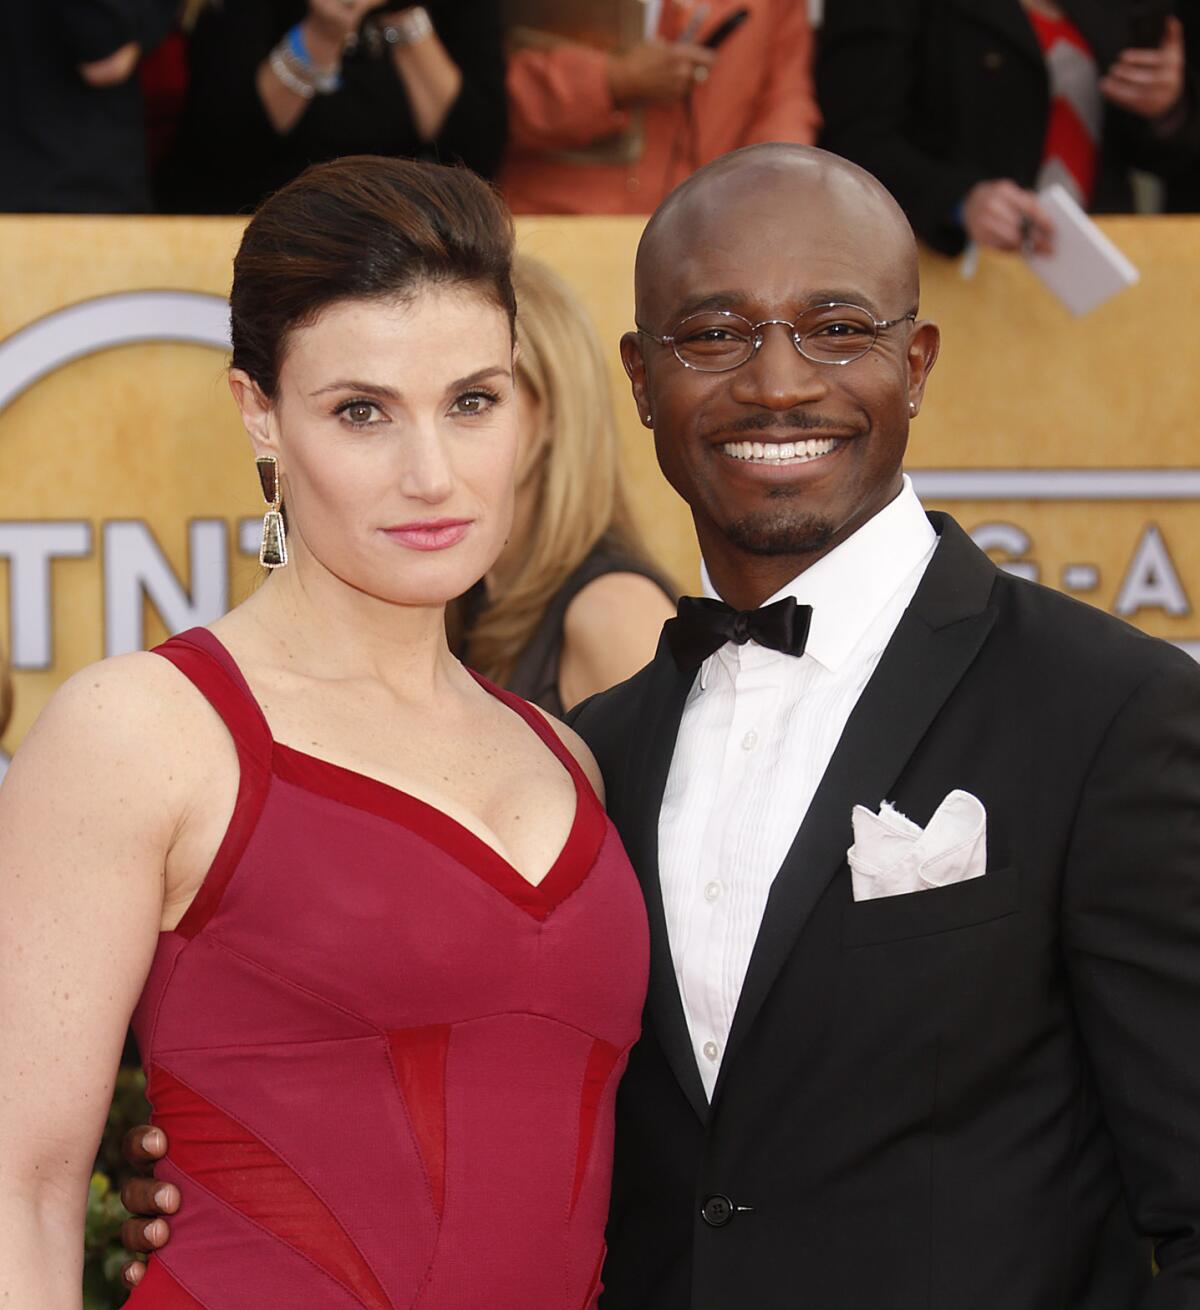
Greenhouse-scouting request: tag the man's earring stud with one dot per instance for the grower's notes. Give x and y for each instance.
(912, 408)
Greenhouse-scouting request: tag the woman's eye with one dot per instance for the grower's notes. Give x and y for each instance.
(358, 413)
(475, 402)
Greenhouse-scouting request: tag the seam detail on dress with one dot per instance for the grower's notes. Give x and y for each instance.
(316, 1191)
(287, 1246)
(376, 1029)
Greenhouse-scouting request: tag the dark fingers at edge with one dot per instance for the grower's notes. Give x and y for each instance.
(133, 1273)
(149, 1197)
(143, 1145)
(144, 1236)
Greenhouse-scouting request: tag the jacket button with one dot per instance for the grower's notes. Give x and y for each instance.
(717, 1211)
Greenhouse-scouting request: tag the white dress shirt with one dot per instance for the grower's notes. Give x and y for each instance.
(757, 733)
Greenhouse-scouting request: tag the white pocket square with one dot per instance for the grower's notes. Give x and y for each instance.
(891, 855)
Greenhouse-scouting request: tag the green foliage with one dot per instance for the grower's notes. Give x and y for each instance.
(103, 1255)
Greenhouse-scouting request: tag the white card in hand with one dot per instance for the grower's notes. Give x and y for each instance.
(1086, 269)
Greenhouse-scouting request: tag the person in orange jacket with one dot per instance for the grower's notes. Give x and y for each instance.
(693, 104)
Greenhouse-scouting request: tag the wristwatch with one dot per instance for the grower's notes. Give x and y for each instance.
(408, 27)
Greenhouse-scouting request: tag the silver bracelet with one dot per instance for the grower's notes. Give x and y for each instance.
(278, 64)
(410, 27)
(289, 62)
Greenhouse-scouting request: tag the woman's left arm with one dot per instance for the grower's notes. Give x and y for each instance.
(611, 630)
(451, 64)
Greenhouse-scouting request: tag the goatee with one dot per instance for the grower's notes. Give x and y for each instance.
(780, 534)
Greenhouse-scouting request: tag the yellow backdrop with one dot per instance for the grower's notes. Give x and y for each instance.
(127, 490)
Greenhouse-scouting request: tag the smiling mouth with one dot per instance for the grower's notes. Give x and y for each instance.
(782, 452)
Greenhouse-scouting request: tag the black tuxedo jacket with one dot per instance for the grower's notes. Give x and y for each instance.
(980, 1097)
(933, 96)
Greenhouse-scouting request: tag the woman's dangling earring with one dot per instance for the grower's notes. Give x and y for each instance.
(272, 553)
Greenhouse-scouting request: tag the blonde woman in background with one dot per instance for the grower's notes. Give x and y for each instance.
(573, 605)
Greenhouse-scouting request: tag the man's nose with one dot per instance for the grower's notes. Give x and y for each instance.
(426, 472)
(778, 376)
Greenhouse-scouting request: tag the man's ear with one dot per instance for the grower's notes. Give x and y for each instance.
(923, 348)
(635, 366)
(258, 413)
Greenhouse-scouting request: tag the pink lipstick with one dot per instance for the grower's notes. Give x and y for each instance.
(430, 534)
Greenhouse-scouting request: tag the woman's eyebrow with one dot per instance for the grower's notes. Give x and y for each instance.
(353, 384)
(382, 392)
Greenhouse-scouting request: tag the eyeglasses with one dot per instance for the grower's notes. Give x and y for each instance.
(716, 341)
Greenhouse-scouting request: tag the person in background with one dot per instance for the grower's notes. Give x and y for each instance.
(278, 84)
(687, 103)
(572, 606)
(73, 129)
(964, 113)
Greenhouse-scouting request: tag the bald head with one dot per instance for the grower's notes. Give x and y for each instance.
(758, 194)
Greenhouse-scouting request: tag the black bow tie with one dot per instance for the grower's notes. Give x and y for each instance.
(703, 626)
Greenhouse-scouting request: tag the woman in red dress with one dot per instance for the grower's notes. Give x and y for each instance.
(384, 930)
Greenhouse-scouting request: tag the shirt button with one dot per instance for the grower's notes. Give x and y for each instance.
(711, 1050)
(712, 892)
(750, 740)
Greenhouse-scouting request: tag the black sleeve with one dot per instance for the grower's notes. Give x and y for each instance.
(1131, 931)
(868, 64)
(227, 46)
(94, 29)
(477, 124)
(1176, 152)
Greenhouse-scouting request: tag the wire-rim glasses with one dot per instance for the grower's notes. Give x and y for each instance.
(715, 341)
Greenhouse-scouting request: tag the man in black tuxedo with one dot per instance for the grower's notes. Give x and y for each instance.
(984, 1094)
(980, 1095)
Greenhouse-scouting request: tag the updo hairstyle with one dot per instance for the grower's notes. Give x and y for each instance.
(362, 228)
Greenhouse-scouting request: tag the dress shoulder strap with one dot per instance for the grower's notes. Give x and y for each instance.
(539, 723)
(201, 658)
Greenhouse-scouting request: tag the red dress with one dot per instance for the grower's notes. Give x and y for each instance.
(386, 1063)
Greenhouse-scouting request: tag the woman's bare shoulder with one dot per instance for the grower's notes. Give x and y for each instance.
(129, 712)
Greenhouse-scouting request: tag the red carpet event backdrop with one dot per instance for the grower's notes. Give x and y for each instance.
(129, 505)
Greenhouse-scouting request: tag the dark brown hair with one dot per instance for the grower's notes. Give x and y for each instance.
(362, 228)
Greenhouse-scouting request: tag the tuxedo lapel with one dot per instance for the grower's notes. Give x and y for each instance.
(934, 644)
(666, 691)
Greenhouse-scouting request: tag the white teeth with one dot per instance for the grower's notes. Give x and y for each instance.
(780, 452)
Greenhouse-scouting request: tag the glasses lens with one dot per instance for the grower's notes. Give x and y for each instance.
(836, 333)
(712, 342)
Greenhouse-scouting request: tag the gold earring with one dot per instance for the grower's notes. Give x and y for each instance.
(272, 554)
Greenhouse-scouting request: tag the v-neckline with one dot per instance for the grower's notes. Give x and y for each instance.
(362, 791)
